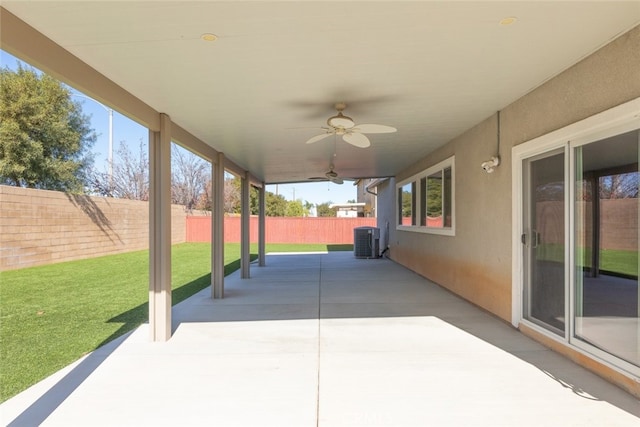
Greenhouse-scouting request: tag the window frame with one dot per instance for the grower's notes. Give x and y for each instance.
(418, 180)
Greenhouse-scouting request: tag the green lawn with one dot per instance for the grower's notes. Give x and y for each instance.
(612, 260)
(625, 262)
(52, 315)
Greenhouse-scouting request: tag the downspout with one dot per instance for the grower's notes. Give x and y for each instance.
(374, 183)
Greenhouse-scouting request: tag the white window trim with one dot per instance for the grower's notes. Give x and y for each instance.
(450, 231)
(616, 120)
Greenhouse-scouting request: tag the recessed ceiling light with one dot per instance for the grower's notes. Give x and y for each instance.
(209, 37)
(508, 21)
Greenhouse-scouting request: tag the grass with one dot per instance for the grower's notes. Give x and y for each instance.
(52, 315)
(624, 262)
(611, 260)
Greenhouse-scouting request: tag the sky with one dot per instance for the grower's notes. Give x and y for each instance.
(125, 129)
(317, 192)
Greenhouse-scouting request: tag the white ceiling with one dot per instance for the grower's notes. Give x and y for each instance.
(430, 69)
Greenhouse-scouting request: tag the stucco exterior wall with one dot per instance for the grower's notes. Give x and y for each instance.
(476, 263)
(40, 227)
(387, 212)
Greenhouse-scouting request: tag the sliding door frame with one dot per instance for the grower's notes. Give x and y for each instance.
(617, 120)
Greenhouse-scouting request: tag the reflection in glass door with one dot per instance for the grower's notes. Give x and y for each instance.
(576, 255)
(544, 240)
(606, 297)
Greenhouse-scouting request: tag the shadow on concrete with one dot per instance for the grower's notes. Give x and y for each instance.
(349, 289)
(138, 315)
(44, 406)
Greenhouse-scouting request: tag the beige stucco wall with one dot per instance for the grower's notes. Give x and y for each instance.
(40, 227)
(476, 263)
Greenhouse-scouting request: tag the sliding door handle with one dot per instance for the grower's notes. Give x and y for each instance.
(535, 239)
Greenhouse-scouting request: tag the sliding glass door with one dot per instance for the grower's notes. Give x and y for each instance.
(544, 240)
(577, 261)
(606, 298)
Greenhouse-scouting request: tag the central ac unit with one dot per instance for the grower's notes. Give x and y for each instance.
(366, 242)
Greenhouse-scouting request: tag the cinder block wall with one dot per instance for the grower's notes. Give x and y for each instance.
(42, 227)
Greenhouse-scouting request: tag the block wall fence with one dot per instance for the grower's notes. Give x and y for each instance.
(39, 227)
(618, 223)
(282, 229)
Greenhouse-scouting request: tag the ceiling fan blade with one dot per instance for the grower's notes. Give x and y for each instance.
(371, 128)
(357, 139)
(318, 138)
(336, 180)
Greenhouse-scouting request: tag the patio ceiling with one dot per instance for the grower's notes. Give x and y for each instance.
(430, 69)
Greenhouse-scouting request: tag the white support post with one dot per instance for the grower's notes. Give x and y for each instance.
(261, 227)
(245, 237)
(160, 231)
(217, 229)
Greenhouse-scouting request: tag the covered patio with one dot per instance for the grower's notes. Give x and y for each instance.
(326, 339)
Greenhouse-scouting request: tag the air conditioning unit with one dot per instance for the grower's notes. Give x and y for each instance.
(366, 242)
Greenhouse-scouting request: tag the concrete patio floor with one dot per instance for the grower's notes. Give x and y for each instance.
(328, 340)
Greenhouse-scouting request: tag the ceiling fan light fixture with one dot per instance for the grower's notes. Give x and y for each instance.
(350, 132)
(341, 121)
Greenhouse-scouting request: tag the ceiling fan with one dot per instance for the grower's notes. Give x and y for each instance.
(350, 132)
(330, 175)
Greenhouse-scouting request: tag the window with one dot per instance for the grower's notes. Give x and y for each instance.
(425, 201)
(407, 204)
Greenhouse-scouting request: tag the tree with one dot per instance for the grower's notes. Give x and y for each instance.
(232, 195)
(407, 203)
(130, 178)
(276, 204)
(308, 206)
(434, 197)
(619, 186)
(44, 137)
(189, 177)
(254, 201)
(323, 210)
(296, 208)
(205, 201)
